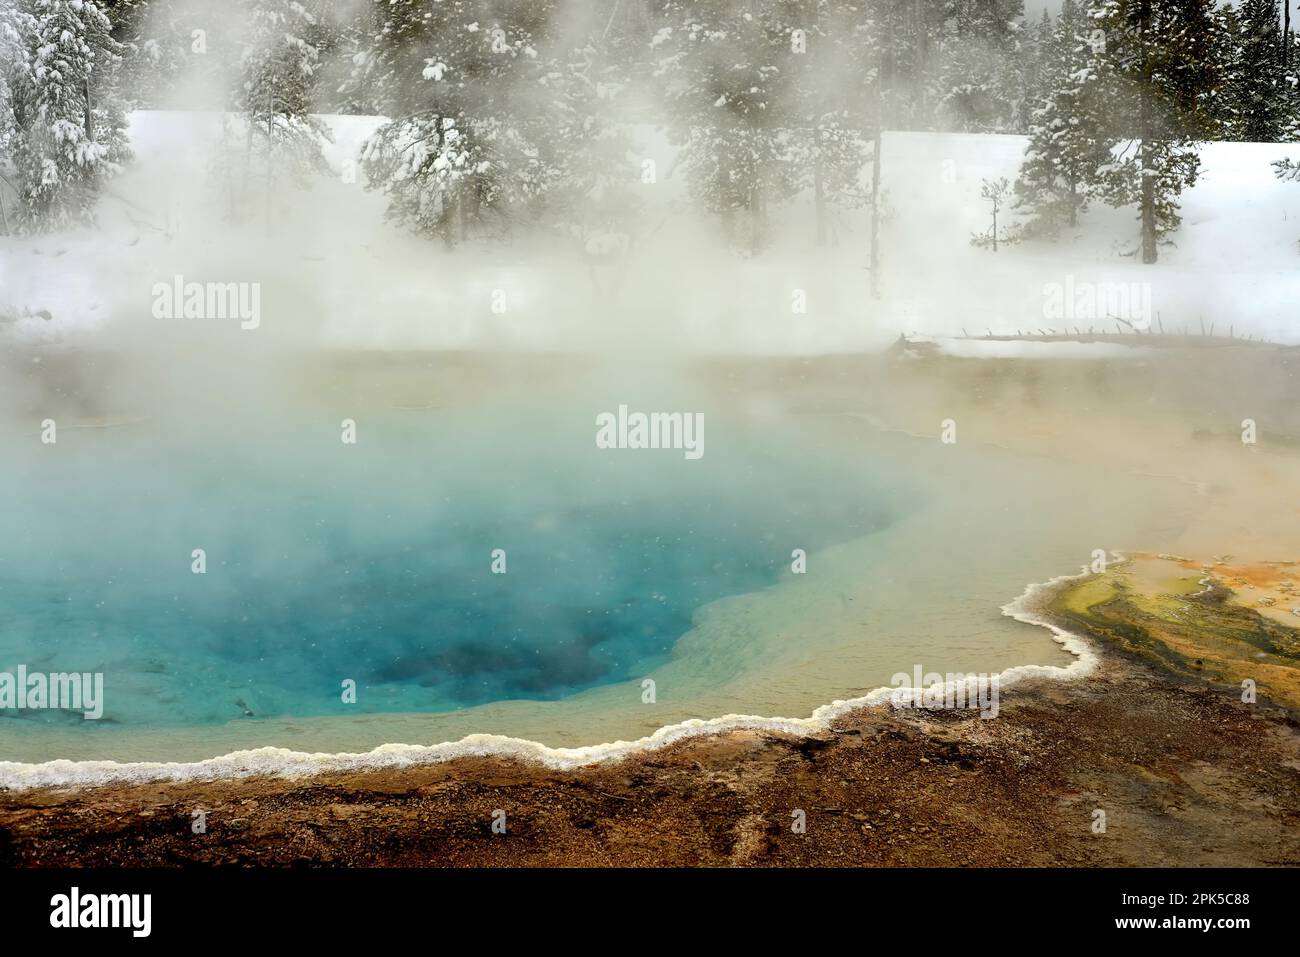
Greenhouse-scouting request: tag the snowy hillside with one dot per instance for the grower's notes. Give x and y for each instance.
(1234, 263)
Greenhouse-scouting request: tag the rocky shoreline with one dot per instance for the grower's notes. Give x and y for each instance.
(1179, 769)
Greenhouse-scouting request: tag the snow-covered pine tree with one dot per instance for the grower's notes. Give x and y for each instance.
(1015, 73)
(1034, 57)
(1256, 104)
(979, 66)
(1019, 73)
(911, 37)
(1288, 41)
(834, 102)
(595, 194)
(1069, 141)
(894, 52)
(1162, 54)
(176, 54)
(16, 28)
(728, 71)
(66, 128)
(146, 65)
(334, 34)
(278, 68)
(463, 82)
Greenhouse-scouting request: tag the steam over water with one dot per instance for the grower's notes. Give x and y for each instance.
(329, 562)
(373, 562)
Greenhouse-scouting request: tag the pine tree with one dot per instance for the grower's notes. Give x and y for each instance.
(795, 112)
(1034, 59)
(1069, 144)
(175, 55)
(466, 82)
(995, 192)
(979, 68)
(911, 42)
(66, 128)
(1256, 102)
(594, 192)
(729, 67)
(278, 69)
(16, 29)
(1162, 54)
(834, 93)
(142, 70)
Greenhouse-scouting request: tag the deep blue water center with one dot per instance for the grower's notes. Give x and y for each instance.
(373, 562)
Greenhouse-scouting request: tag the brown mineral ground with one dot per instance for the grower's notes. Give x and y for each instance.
(1185, 771)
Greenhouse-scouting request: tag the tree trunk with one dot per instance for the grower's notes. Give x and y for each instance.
(462, 206)
(1148, 214)
(1286, 39)
(248, 152)
(819, 200)
(923, 54)
(875, 214)
(270, 167)
(446, 223)
(1148, 210)
(90, 123)
(446, 226)
(882, 65)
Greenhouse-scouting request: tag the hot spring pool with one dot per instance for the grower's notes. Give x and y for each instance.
(371, 565)
(433, 577)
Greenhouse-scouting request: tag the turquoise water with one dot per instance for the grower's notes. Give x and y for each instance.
(372, 562)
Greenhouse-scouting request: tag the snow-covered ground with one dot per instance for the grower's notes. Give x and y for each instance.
(333, 272)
